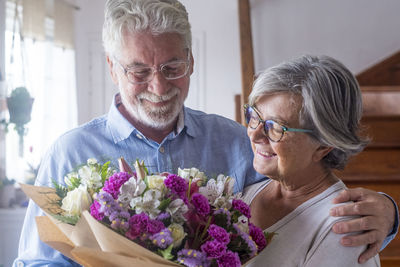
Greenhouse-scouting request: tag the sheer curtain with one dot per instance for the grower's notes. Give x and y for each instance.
(48, 72)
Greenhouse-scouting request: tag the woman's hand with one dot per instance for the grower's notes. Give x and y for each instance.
(378, 216)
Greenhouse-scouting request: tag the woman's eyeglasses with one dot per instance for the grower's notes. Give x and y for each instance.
(273, 130)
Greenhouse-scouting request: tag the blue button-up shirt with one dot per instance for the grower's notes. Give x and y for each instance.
(211, 143)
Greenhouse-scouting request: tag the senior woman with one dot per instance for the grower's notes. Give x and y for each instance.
(303, 122)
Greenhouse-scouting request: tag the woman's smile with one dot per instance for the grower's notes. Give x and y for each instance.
(265, 154)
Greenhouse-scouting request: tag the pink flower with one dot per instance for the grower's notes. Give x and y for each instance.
(214, 249)
(258, 236)
(200, 202)
(229, 259)
(177, 185)
(239, 205)
(94, 211)
(137, 225)
(113, 184)
(219, 234)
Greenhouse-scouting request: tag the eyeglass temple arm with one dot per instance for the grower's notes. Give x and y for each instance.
(298, 130)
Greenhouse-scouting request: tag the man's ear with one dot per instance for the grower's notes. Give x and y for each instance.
(191, 63)
(110, 63)
(321, 152)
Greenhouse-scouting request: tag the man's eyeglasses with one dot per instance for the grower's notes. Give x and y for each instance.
(273, 130)
(171, 71)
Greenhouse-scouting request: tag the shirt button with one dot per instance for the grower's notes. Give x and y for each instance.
(139, 136)
(20, 264)
(162, 150)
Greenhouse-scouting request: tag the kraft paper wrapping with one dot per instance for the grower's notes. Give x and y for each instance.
(110, 241)
(89, 242)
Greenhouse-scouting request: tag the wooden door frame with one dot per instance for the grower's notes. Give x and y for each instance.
(246, 57)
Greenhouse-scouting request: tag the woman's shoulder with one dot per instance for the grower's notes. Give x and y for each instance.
(249, 192)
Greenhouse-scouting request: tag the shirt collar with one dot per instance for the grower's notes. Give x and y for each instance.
(189, 122)
(119, 126)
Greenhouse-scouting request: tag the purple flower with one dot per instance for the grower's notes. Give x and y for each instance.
(219, 234)
(137, 225)
(163, 216)
(229, 259)
(247, 241)
(200, 202)
(113, 184)
(154, 226)
(107, 203)
(119, 220)
(222, 217)
(177, 185)
(94, 211)
(192, 258)
(213, 249)
(239, 205)
(162, 239)
(258, 236)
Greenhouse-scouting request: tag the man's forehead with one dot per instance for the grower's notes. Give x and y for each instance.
(149, 49)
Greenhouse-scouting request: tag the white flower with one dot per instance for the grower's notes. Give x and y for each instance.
(177, 233)
(76, 201)
(212, 190)
(156, 182)
(223, 202)
(217, 189)
(69, 177)
(89, 177)
(131, 189)
(92, 161)
(149, 203)
(243, 224)
(194, 173)
(228, 182)
(177, 208)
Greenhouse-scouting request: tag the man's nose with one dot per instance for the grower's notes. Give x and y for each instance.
(158, 85)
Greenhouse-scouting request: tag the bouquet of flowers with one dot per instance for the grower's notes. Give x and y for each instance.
(184, 218)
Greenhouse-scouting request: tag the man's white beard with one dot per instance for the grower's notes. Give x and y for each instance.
(156, 117)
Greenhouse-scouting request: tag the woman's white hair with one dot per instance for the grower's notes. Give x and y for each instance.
(154, 16)
(332, 102)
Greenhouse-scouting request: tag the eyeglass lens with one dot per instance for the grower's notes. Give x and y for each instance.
(171, 71)
(273, 130)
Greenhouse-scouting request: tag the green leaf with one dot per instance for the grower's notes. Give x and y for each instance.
(104, 170)
(75, 183)
(167, 253)
(66, 219)
(164, 204)
(61, 190)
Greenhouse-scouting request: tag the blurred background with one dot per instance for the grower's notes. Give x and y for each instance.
(53, 67)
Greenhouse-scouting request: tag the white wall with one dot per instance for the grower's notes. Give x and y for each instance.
(2, 88)
(93, 81)
(359, 33)
(216, 77)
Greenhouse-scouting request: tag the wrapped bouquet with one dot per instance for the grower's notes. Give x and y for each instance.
(136, 217)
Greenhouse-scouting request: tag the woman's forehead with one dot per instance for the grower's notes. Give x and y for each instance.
(282, 105)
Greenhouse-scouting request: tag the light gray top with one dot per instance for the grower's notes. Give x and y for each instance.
(304, 236)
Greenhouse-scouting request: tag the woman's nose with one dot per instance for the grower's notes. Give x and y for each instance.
(257, 135)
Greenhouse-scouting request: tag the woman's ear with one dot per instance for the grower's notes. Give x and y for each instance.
(321, 152)
(114, 76)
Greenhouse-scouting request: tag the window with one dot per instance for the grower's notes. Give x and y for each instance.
(48, 72)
